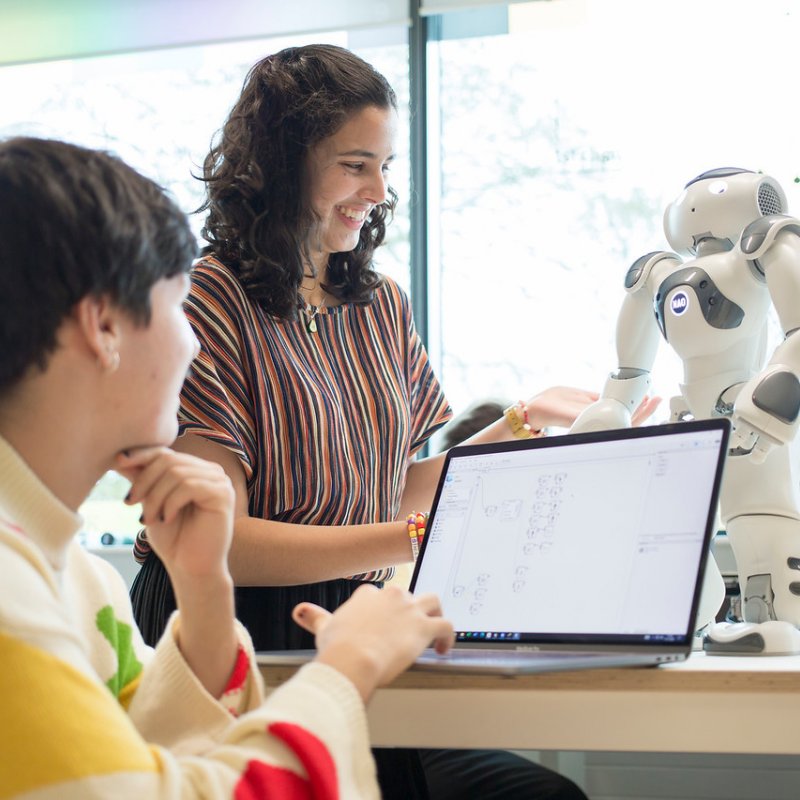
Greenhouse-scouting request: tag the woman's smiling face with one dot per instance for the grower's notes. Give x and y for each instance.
(347, 178)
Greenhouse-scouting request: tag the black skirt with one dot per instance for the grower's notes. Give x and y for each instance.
(266, 611)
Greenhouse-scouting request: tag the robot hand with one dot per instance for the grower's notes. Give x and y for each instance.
(602, 415)
(621, 398)
(766, 411)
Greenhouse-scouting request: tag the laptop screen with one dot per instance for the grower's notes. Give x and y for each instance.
(576, 538)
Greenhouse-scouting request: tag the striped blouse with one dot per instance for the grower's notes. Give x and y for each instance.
(325, 423)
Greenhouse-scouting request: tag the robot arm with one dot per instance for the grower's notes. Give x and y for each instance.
(637, 339)
(767, 410)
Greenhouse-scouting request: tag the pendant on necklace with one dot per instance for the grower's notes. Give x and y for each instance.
(311, 315)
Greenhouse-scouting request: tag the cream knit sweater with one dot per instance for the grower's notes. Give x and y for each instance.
(88, 711)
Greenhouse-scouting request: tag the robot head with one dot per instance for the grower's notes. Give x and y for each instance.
(714, 208)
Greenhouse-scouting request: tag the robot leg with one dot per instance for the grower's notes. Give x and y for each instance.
(767, 551)
(760, 510)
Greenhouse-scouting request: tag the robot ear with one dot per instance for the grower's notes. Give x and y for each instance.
(771, 197)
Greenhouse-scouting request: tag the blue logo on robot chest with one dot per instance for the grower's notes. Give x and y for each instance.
(678, 303)
(717, 310)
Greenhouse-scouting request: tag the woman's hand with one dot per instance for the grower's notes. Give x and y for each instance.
(558, 406)
(645, 410)
(376, 634)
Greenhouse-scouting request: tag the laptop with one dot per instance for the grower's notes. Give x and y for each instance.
(576, 551)
(570, 552)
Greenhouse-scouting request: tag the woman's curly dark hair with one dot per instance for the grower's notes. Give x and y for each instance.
(259, 217)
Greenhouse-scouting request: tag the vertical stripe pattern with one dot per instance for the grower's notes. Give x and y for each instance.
(325, 423)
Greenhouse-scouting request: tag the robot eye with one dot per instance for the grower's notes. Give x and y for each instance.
(718, 187)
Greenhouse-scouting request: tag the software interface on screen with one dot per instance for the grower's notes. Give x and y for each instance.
(601, 537)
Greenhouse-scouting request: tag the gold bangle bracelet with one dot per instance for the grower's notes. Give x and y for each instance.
(519, 427)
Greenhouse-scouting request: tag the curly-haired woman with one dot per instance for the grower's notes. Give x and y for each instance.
(312, 389)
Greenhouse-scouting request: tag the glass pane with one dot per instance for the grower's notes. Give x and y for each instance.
(560, 144)
(158, 110)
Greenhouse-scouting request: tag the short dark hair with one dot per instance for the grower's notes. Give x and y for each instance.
(469, 422)
(259, 215)
(76, 222)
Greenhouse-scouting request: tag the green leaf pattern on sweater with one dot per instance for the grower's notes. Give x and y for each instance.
(120, 636)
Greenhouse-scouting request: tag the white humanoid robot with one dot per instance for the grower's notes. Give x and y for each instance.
(742, 255)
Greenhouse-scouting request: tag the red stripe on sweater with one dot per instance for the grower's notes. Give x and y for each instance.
(262, 782)
(240, 671)
(314, 756)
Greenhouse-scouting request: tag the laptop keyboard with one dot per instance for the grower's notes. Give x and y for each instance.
(491, 657)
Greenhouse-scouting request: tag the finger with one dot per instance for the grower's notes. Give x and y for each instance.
(162, 482)
(645, 410)
(131, 463)
(429, 603)
(146, 473)
(366, 588)
(204, 492)
(160, 477)
(652, 405)
(137, 457)
(444, 636)
(310, 617)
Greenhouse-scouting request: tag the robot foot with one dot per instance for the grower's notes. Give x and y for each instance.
(771, 638)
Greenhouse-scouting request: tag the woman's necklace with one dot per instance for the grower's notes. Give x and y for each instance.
(311, 313)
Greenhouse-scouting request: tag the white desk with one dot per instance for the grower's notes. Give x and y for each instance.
(699, 706)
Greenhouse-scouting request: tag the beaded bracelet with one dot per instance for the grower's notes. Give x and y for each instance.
(517, 417)
(416, 530)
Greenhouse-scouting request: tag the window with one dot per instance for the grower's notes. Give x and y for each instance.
(158, 110)
(559, 132)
